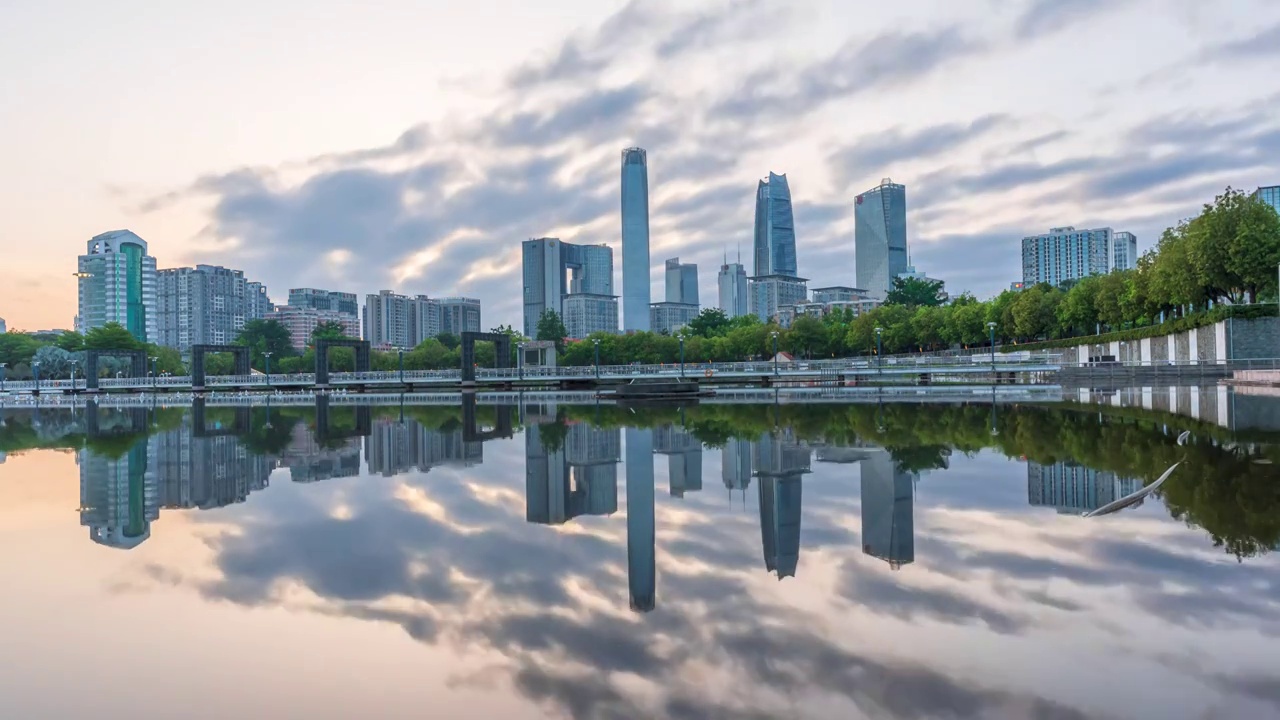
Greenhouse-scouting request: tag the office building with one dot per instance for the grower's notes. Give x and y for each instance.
(1065, 253)
(301, 322)
(887, 503)
(1072, 488)
(642, 577)
(732, 284)
(205, 305)
(775, 228)
(635, 240)
(585, 314)
(838, 293)
(682, 282)
(772, 292)
(880, 236)
(668, 317)
(1124, 251)
(457, 315)
(1269, 195)
(117, 283)
(3, 328)
(553, 270)
(329, 300)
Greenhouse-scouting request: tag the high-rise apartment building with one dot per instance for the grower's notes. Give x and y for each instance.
(585, 313)
(775, 228)
(635, 240)
(301, 322)
(682, 282)
(117, 283)
(342, 302)
(1065, 253)
(554, 270)
(772, 292)
(206, 304)
(459, 315)
(1124, 251)
(732, 284)
(1073, 488)
(880, 236)
(388, 320)
(1269, 195)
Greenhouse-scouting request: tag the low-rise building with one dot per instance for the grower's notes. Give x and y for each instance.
(587, 313)
(771, 292)
(668, 317)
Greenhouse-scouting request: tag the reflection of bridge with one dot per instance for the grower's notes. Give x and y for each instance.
(922, 371)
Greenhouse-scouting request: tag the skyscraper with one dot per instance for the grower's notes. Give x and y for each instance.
(459, 315)
(682, 282)
(880, 236)
(207, 304)
(732, 283)
(1269, 195)
(635, 240)
(117, 283)
(1124, 254)
(775, 241)
(1065, 253)
(547, 261)
(388, 320)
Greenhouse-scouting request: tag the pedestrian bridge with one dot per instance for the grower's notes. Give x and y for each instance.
(911, 370)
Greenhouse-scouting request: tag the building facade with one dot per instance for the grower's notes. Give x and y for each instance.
(838, 293)
(682, 282)
(388, 320)
(346, 303)
(770, 293)
(732, 284)
(668, 317)
(635, 240)
(301, 322)
(1124, 251)
(775, 228)
(1072, 488)
(117, 283)
(1269, 195)
(206, 304)
(1065, 253)
(585, 313)
(553, 270)
(880, 236)
(458, 315)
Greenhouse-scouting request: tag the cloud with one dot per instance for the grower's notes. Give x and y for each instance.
(1263, 44)
(1042, 17)
(876, 153)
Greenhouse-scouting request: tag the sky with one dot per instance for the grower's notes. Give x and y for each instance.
(411, 146)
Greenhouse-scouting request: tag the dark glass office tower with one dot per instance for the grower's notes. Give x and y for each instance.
(775, 243)
(635, 240)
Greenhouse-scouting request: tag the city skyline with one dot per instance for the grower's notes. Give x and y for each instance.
(517, 141)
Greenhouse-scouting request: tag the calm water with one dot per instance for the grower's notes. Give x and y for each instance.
(798, 561)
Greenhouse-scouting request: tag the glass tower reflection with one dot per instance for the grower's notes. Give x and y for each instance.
(641, 568)
(570, 473)
(888, 497)
(780, 464)
(684, 458)
(635, 240)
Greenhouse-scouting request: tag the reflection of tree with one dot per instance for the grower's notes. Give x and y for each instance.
(553, 434)
(920, 457)
(1232, 497)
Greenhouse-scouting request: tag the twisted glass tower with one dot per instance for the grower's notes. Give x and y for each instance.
(775, 244)
(635, 240)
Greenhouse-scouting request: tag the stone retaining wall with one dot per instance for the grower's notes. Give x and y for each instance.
(1218, 343)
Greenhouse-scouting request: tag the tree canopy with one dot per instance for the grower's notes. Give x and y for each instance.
(915, 292)
(551, 327)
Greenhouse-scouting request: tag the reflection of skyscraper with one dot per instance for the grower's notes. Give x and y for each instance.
(887, 508)
(196, 471)
(118, 497)
(309, 462)
(684, 458)
(577, 478)
(635, 240)
(641, 565)
(396, 446)
(780, 465)
(1072, 488)
(735, 464)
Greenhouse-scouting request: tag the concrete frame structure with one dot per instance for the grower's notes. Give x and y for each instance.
(501, 352)
(241, 353)
(362, 348)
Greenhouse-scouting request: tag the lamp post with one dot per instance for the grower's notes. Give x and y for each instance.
(153, 371)
(35, 374)
(774, 335)
(267, 355)
(2, 367)
(680, 336)
(879, 350)
(73, 377)
(520, 360)
(991, 329)
(595, 342)
(400, 356)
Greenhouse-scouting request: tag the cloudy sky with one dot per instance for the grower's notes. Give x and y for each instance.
(413, 146)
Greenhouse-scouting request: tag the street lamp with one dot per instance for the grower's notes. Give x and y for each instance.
(153, 371)
(774, 335)
(35, 374)
(2, 367)
(520, 359)
(400, 354)
(595, 343)
(73, 377)
(267, 355)
(879, 349)
(991, 328)
(680, 336)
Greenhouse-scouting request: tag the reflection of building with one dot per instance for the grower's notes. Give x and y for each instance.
(118, 497)
(684, 458)
(780, 464)
(399, 446)
(1072, 488)
(577, 477)
(735, 464)
(205, 472)
(887, 507)
(309, 462)
(641, 562)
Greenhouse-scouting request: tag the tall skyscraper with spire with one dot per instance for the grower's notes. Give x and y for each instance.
(775, 242)
(732, 283)
(635, 240)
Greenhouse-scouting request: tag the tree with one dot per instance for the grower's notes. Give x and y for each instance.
(54, 362)
(17, 349)
(328, 330)
(807, 336)
(268, 336)
(709, 323)
(449, 340)
(112, 336)
(70, 341)
(914, 292)
(551, 327)
(1078, 312)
